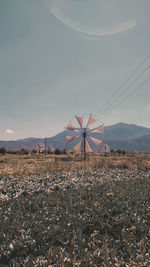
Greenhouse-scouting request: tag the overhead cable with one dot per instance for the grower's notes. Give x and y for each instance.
(129, 95)
(110, 99)
(125, 91)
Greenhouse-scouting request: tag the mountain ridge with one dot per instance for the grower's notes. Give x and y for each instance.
(129, 137)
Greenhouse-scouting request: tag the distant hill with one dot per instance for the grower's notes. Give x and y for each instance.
(129, 137)
(140, 144)
(125, 131)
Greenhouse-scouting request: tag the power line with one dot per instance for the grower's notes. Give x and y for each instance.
(122, 93)
(133, 91)
(110, 99)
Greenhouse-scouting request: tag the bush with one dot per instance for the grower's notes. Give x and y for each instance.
(64, 151)
(24, 151)
(3, 150)
(12, 151)
(118, 151)
(58, 151)
(34, 151)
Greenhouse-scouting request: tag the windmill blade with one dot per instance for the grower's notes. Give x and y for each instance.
(80, 121)
(96, 140)
(70, 139)
(71, 127)
(87, 147)
(98, 129)
(90, 121)
(78, 146)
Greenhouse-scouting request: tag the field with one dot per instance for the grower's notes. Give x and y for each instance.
(62, 211)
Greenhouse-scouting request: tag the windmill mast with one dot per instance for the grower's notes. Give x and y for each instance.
(84, 142)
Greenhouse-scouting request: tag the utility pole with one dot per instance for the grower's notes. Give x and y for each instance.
(45, 144)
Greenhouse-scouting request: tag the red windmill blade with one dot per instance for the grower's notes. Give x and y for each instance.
(84, 135)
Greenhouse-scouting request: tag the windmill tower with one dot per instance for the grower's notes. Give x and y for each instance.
(84, 135)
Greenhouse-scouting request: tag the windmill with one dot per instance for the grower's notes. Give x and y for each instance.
(84, 135)
(106, 149)
(40, 147)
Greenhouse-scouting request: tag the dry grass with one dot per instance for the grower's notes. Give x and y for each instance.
(31, 164)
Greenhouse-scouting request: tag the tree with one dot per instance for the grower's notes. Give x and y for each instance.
(58, 151)
(2, 150)
(24, 151)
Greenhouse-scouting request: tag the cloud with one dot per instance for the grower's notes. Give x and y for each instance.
(9, 131)
(92, 32)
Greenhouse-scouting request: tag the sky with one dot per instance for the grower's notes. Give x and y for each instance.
(64, 57)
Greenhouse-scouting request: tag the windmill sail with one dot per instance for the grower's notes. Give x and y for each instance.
(90, 121)
(71, 127)
(87, 147)
(78, 146)
(99, 129)
(80, 121)
(70, 139)
(96, 140)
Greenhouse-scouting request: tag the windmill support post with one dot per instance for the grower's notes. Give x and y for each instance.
(84, 143)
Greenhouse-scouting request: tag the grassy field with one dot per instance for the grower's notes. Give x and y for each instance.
(41, 163)
(62, 211)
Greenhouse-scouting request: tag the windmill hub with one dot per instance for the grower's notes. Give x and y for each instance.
(84, 132)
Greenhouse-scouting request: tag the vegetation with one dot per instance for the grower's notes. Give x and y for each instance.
(2, 150)
(18, 163)
(58, 151)
(61, 212)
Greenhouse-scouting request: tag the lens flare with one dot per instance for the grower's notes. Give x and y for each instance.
(58, 10)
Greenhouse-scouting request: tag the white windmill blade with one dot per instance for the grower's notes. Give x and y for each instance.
(71, 127)
(96, 140)
(87, 147)
(80, 120)
(78, 146)
(71, 138)
(40, 144)
(98, 129)
(90, 121)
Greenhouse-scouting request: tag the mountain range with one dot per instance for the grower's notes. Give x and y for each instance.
(128, 137)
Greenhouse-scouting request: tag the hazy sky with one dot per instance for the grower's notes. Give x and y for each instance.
(64, 57)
